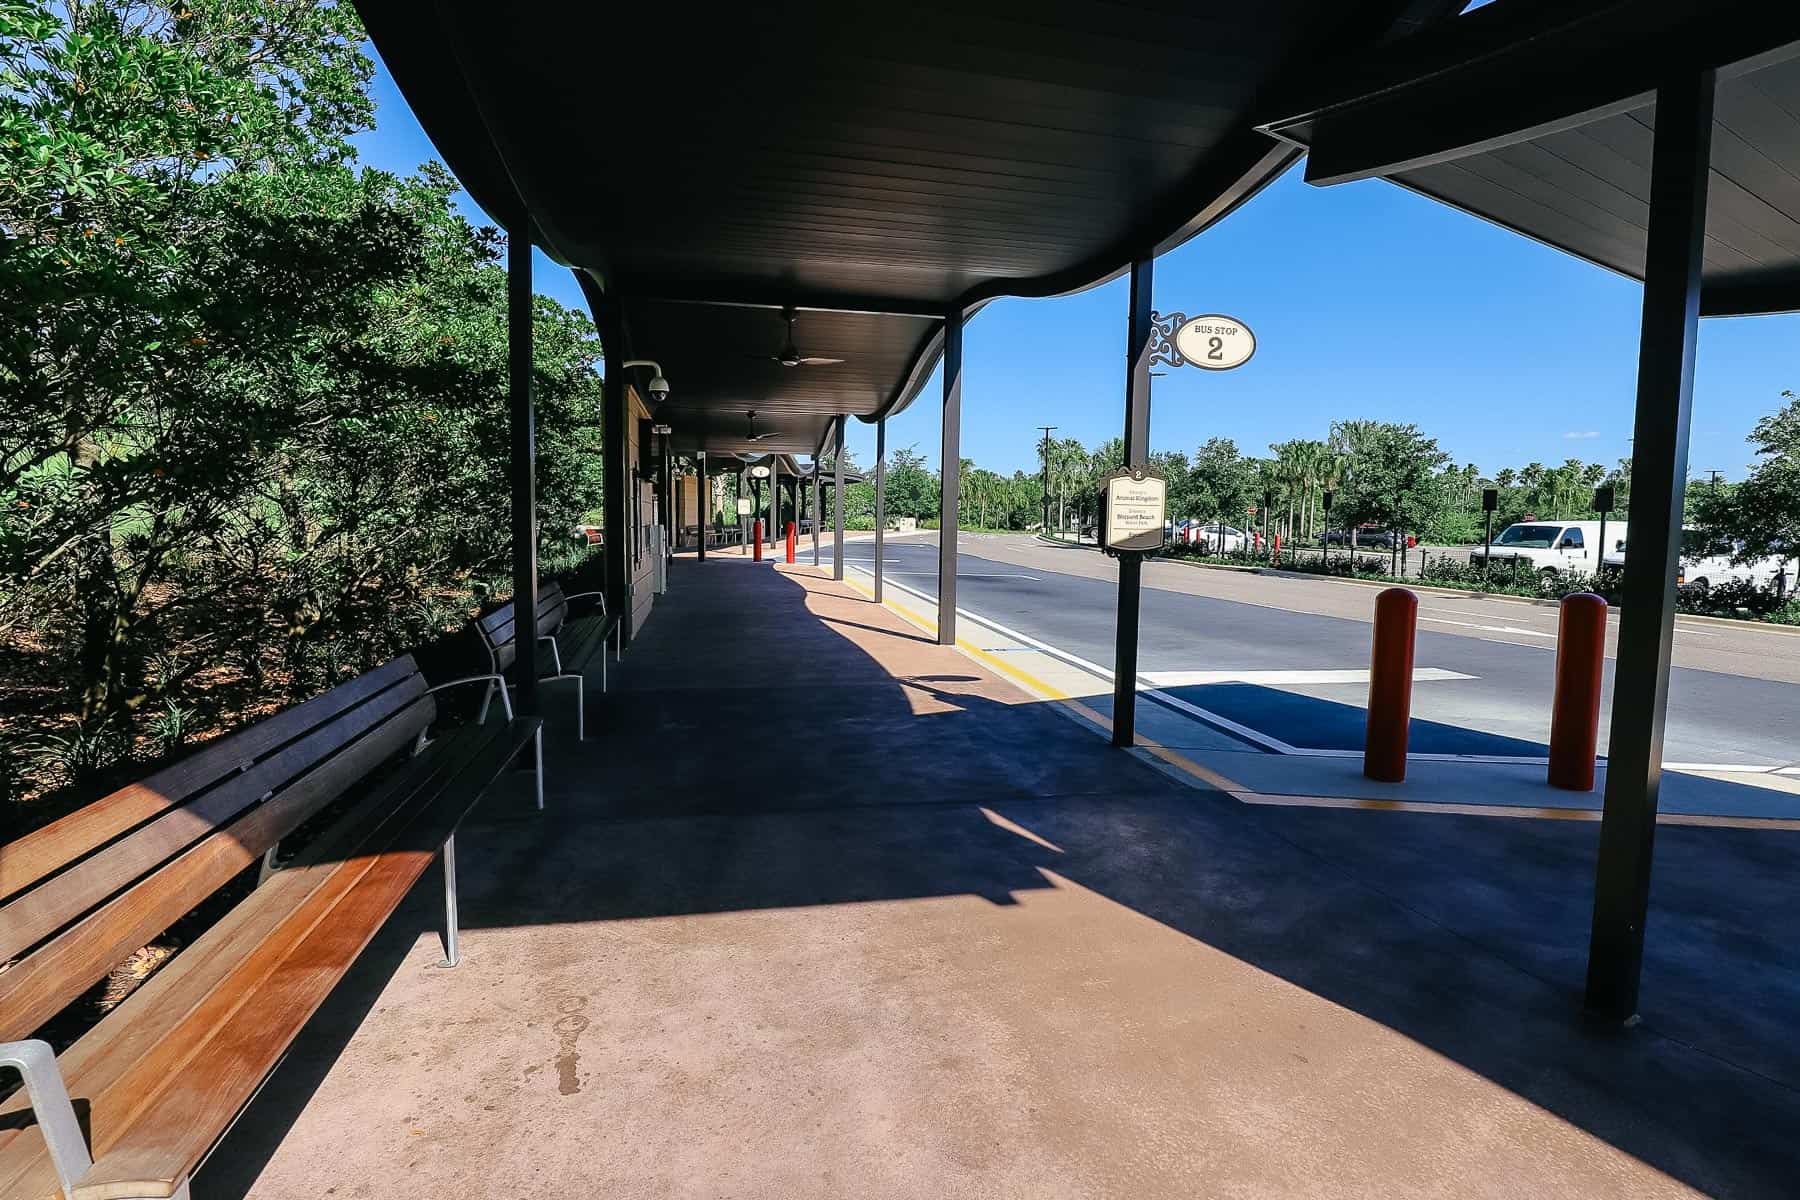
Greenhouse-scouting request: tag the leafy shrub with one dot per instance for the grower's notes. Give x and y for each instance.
(171, 726)
(79, 758)
(1734, 597)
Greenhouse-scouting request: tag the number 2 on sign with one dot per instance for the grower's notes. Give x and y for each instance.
(1215, 349)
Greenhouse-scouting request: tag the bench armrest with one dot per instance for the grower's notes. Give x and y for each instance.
(568, 596)
(49, 1096)
(496, 681)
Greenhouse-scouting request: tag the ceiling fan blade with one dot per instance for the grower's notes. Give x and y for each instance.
(819, 362)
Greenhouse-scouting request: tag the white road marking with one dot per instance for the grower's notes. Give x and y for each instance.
(1491, 628)
(1689, 630)
(1358, 675)
(963, 575)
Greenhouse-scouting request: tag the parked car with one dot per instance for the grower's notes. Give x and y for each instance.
(1221, 539)
(589, 535)
(1553, 547)
(1369, 536)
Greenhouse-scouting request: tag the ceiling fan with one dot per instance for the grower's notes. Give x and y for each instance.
(754, 436)
(789, 355)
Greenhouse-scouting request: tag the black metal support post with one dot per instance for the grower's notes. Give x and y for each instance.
(837, 503)
(703, 497)
(880, 498)
(617, 482)
(1137, 453)
(1659, 459)
(671, 517)
(818, 513)
(769, 534)
(950, 471)
(524, 457)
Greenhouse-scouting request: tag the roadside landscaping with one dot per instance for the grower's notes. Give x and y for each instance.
(1735, 600)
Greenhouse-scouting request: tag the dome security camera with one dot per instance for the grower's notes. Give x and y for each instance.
(659, 384)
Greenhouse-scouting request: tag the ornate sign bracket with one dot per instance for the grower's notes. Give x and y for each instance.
(1162, 339)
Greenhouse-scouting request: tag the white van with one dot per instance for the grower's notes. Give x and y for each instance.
(1555, 547)
(1701, 571)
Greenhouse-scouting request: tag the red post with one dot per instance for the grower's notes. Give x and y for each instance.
(793, 532)
(1390, 685)
(758, 557)
(1575, 712)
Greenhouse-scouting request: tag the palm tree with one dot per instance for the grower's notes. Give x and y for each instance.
(1292, 472)
(1316, 456)
(1068, 469)
(1334, 468)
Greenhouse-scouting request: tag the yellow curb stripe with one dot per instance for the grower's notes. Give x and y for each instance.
(1031, 682)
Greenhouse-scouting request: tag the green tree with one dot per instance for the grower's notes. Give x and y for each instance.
(912, 491)
(1760, 517)
(1392, 475)
(252, 401)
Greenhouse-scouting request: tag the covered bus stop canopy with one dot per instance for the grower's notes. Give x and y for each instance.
(785, 214)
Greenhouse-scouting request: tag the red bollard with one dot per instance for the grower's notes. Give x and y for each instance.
(793, 532)
(1390, 685)
(758, 557)
(1575, 712)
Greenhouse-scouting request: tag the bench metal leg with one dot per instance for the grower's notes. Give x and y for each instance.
(36, 1064)
(452, 951)
(268, 867)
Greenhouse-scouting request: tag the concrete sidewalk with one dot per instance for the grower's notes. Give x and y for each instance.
(824, 909)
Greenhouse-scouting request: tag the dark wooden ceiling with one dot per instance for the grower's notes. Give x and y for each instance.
(1587, 190)
(901, 161)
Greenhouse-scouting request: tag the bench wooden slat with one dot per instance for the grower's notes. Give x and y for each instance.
(314, 949)
(582, 640)
(32, 991)
(42, 911)
(102, 1065)
(45, 851)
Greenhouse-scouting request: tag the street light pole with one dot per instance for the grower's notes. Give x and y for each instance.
(1048, 430)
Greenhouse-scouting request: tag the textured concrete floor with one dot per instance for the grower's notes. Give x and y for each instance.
(988, 956)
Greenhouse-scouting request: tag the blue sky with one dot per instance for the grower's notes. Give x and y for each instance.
(1367, 301)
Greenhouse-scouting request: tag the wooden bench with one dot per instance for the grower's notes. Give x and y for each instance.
(162, 1076)
(574, 643)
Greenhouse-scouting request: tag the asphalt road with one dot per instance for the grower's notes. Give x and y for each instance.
(1063, 598)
